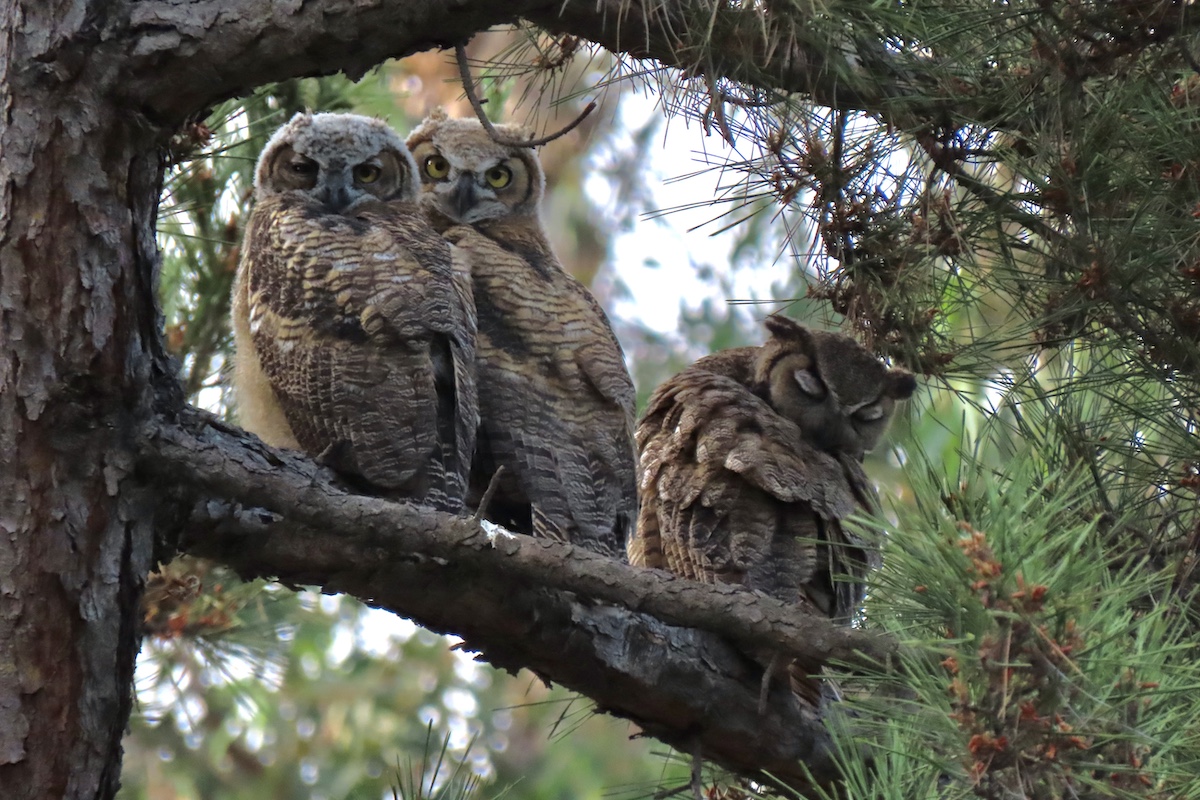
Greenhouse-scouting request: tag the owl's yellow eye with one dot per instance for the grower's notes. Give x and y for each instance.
(498, 177)
(367, 173)
(437, 167)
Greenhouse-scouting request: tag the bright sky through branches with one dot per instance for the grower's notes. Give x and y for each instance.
(660, 258)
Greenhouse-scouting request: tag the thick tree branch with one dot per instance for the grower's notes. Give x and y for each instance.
(226, 462)
(594, 625)
(186, 56)
(718, 39)
(179, 57)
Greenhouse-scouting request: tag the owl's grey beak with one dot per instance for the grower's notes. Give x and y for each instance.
(465, 195)
(335, 194)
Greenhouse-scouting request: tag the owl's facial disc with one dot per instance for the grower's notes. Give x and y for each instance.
(467, 188)
(468, 197)
(335, 160)
(340, 185)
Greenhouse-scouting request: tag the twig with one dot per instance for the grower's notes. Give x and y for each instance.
(766, 683)
(697, 769)
(1005, 673)
(464, 72)
(486, 500)
(1187, 565)
(716, 109)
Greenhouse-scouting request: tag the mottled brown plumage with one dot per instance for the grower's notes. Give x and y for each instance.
(353, 321)
(556, 400)
(750, 461)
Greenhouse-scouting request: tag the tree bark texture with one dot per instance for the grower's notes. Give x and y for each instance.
(91, 90)
(80, 354)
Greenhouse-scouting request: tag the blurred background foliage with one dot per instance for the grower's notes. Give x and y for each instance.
(1011, 212)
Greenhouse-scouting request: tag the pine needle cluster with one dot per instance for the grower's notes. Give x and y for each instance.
(1035, 664)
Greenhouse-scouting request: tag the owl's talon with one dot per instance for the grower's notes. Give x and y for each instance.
(334, 455)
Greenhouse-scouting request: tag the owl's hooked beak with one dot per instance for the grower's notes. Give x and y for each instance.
(335, 194)
(465, 195)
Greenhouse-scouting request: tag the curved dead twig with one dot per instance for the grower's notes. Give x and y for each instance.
(468, 82)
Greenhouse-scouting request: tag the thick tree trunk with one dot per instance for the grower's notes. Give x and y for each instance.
(79, 354)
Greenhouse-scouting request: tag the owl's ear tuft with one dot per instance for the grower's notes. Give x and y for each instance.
(783, 328)
(787, 337)
(524, 133)
(424, 130)
(900, 384)
(516, 132)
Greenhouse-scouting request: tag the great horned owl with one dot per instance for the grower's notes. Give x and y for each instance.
(751, 458)
(353, 321)
(555, 399)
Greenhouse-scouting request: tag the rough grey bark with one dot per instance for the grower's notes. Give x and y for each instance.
(91, 90)
(183, 56)
(79, 355)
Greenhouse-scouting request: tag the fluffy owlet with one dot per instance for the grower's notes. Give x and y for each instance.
(354, 324)
(556, 402)
(752, 457)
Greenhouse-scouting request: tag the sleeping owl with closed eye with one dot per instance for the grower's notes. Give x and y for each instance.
(353, 322)
(556, 401)
(751, 461)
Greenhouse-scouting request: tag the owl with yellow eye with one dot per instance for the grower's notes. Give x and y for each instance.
(556, 403)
